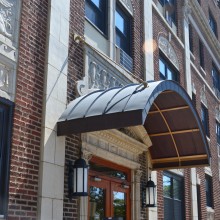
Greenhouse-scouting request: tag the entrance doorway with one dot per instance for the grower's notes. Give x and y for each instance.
(109, 191)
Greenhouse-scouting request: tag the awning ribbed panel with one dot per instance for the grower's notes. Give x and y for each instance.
(163, 108)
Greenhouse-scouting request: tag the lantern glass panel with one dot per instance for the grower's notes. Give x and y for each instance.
(85, 179)
(79, 180)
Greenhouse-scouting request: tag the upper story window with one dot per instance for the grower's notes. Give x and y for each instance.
(209, 194)
(167, 71)
(213, 23)
(216, 80)
(123, 36)
(169, 11)
(173, 193)
(5, 139)
(205, 119)
(190, 38)
(218, 132)
(96, 12)
(201, 54)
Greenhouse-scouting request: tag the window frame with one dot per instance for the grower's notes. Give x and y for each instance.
(217, 133)
(209, 192)
(172, 199)
(205, 120)
(127, 17)
(172, 18)
(201, 54)
(168, 66)
(213, 24)
(215, 78)
(6, 115)
(102, 13)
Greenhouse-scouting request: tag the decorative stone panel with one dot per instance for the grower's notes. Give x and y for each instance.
(127, 4)
(100, 73)
(203, 96)
(168, 50)
(9, 25)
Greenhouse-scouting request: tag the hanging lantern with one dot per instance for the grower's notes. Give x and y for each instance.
(78, 178)
(150, 193)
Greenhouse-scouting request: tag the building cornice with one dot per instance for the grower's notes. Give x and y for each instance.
(202, 21)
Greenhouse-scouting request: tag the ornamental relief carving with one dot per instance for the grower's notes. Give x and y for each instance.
(99, 74)
(9, 26)
(203, 96)
(217, 113)
(168, 50)
(6, 18)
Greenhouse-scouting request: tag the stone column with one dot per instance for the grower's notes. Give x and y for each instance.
(51, 176)
(186, 12)
(148, 41)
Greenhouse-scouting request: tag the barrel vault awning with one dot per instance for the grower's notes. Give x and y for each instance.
(163, 108)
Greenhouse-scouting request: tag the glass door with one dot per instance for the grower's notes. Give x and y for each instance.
(109, 190)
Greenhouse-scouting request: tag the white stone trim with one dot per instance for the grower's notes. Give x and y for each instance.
(52, 160)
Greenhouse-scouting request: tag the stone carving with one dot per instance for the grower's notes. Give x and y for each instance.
(128, 5)
(87, 156)
(138, 174)
(7, 51)
(217, 113)
(168, 50)
(5, 18)
(99, 74)
(203, 96)
(187, 10)
(4, 78)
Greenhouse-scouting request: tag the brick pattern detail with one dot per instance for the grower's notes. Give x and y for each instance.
(25, 153)
(75, 73)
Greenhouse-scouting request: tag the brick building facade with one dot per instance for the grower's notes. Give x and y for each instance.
(53, 53)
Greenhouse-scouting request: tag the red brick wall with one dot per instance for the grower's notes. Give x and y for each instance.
(25, 151)
(75, 73)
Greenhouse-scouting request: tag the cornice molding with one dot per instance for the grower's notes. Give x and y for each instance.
(204, 26)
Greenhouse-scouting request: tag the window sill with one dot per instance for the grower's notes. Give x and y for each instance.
(2, 217)
(210, 209)
(97, 29)
(203, 71)
(192, 56)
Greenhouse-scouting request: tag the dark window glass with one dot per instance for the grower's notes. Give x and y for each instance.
(96, 12)
(208, 187)
(199, 201)
(167, 71)
(170, 10)
(218, 132)
(108, 171)
(201, 54)
(216, 80)
(5, 142)
(205, 119)
(173, 197)
(190, 38)
(123, 30)
(212, 23)
(194, 99)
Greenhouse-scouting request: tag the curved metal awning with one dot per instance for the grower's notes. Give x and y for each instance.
(163, 108)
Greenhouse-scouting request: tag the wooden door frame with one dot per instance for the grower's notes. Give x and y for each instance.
(113, 184)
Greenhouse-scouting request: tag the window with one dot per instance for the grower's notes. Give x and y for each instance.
(6, 108)
(123, 36)
(109, 191)
(212, 23)
(208, 187)
(190, 38)
(216, 80)
(218, 132)
(205, 119)
(96, 12)
(198, 191)
(201, 54)
(173, 193)
(167, 71)
(170, 11)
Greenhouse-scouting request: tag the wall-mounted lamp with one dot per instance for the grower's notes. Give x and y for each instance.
(78, 178)
(149, 194)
